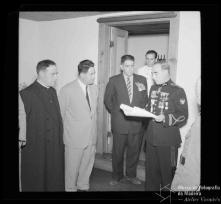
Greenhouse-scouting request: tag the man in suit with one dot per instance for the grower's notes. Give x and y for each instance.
(78, 102)
(130, 89)
(42, 157)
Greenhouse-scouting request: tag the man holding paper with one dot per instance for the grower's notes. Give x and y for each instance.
(167, 101)
(129, 89)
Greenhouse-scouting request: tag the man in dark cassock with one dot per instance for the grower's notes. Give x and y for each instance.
(42, 157)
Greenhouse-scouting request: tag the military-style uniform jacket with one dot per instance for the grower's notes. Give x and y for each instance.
(170, 100)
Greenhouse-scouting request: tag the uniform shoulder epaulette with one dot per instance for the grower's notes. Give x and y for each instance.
(175, 85)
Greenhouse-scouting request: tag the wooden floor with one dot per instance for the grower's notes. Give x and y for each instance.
(99, 181)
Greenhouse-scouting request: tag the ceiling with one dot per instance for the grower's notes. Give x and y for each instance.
(147, 29)
(56, 15)
(134, 29)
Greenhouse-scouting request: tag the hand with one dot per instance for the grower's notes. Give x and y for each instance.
(182, 159)
(160, 118)
(21, 144)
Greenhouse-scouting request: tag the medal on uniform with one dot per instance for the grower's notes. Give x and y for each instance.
(182, 101)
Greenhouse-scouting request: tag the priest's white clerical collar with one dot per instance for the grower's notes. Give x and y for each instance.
(42, 83)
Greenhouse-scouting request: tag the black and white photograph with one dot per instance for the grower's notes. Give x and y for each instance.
(110, 102)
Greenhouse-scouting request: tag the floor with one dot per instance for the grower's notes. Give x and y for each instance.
(104, 162)
(99, 181)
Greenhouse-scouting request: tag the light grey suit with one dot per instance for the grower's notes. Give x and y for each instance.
(80, 134)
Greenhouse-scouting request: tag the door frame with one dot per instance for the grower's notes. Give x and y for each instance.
(104, 44)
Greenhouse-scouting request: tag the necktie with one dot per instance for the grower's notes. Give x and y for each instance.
(129, 88)
(87, 97)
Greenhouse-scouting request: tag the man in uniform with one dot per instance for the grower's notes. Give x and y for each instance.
(167, 101)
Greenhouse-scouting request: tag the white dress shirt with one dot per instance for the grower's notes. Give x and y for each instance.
(147, 73)
(83, 86)
(131, 82)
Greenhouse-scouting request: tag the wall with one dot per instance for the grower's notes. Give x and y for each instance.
(138, 45)
(189, 61)
(28, 50)
(67, 42)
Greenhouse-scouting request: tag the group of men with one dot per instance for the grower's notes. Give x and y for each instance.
(58, 149)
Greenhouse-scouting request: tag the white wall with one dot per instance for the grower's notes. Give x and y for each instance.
(189, 61)
(67, 42)
(28, 50)
(138, 45)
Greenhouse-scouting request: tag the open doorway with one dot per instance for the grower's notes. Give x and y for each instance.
(124, 35)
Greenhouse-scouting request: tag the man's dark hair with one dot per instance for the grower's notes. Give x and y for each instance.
(126, 57)
(152, 52)
(44, 64)
(84, 65)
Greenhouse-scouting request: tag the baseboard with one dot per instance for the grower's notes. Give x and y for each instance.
(104, 163)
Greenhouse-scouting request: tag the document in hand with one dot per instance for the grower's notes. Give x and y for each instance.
(136, 111)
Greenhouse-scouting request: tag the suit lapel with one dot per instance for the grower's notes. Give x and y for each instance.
(134, 89)
(82, 97)
(91, 97)
(123, 87)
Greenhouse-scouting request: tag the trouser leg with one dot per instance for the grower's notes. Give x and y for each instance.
(153, 174)
(119, 142)
(167, 156)
(133, 152)
(72, 163)
(86, 166)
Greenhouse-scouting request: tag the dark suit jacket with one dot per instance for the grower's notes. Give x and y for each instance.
(116, 93)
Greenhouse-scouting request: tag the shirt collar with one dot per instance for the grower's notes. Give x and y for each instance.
(165, 83)
(82, 85)
(147, 67)
(125, 77)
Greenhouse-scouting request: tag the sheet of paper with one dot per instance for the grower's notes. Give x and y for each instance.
(136, 111)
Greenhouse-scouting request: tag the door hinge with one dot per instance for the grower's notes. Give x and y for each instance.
(111, 43)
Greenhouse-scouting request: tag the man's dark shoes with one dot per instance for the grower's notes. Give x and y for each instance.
(134, 180)
(115, 182)
(82, 190)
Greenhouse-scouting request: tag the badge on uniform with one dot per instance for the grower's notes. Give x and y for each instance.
(182, 101)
